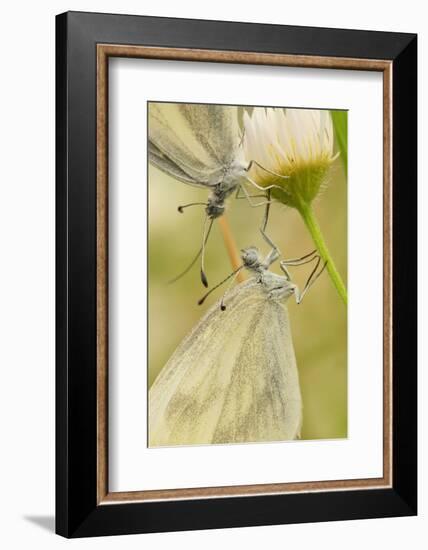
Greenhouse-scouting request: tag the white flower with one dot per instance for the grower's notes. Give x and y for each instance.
(297, 143)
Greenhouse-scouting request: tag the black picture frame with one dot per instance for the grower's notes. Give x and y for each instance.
(78, 513)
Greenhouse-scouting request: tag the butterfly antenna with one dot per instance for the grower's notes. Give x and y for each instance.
(205, 296)
(204, 241)
(188, 268)
(181, 208)
(222, 305)
(192, 263)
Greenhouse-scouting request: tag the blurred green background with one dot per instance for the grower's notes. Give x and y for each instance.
(319, 323)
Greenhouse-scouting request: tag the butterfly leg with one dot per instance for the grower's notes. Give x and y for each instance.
(302, 260)
(267, 203)
(274, 255)
(297, 261)
(238, 196)
(261, 188)
(266, 170)
(250, 197)
(275, 252)
(311, 280)
(267, 187)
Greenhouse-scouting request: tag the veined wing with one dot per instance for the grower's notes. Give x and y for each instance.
(161, 161)
(232, 379)
(216, 127)
(171, 134)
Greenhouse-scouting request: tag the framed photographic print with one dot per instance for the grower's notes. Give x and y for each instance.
(236, 274)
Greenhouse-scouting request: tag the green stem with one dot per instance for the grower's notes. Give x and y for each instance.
(315, 231)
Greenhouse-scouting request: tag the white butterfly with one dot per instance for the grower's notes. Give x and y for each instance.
(200, 145)
(234, 378)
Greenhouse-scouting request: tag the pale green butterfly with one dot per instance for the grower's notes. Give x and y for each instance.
(201, 145)
(234, 378)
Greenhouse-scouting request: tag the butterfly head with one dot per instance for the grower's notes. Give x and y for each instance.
(251, 257)
(215, 206)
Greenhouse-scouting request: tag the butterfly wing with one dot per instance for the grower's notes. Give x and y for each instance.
(216, 127)
(232, 379)
(191, 142)
(171, 135)
(164, 163)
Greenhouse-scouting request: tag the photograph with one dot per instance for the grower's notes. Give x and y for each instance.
(212, 263)
(247, 274)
